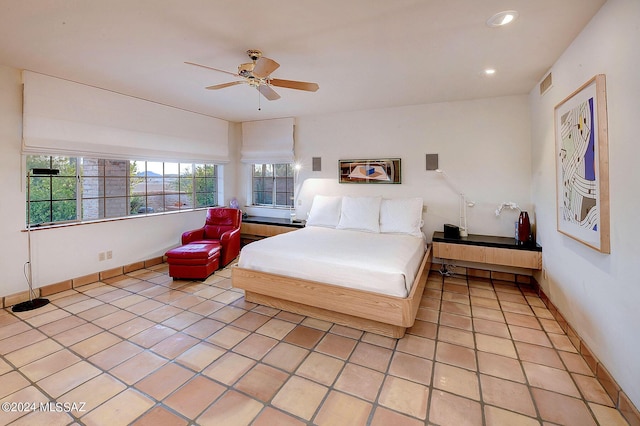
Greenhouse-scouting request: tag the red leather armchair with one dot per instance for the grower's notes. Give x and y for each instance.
(223, 226)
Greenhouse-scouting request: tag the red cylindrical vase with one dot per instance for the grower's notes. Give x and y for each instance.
(524, 228)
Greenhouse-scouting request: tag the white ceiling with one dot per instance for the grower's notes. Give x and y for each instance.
(364, 54)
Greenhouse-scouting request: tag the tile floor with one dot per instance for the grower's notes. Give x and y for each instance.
(144, 349)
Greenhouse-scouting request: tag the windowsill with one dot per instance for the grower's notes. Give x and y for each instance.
(115, 219)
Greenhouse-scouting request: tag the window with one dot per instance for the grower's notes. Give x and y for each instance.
(272, 185)
(94, 189)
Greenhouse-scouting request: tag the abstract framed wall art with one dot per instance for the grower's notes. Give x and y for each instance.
(582, 165)
(370, 171)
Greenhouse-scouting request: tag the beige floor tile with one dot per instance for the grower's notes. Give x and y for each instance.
(300, 397)
(528, 335)
(411, 367)
(562, 409)
(270, 416)
(174, 345)
(575, 363)
(60, 325)
(83, 306)
(404, 396)
(562, 343)
(592, 390)
(285, 356)
(132, 327)
(182, 320)
(607, 416)
(152, 335)
(386, 417)
(360, 381)
(500, 366)
(262, 382)
(49, 418)
(522, 320)
(14, 328)
(12, 382)
(64, 380)
(28, 394)
(456, 321)
(229, 368)
(250, 321)
(49, 364)
(203, 328)
(340, 409)
(116, 354)
(200, 356)
(137, 367)
(458, 356)
(320, 368)
(192, 398)
(371, 356)
(484, 303)
(114, 319)
(21, 340)
(448, 409)
(423, 329)
(304, 336)
(144, 306)
(539, 355)
(31, 353)
(495, 416)
(164, 380)
(160, 416)
(228, 337)
(495, 345)
(207, 307)
(161, 314)
(508, 395)
(233, 409)
(95, 344)
(456, 380)
(455, 308)
(456, 336)
(97, 312)
(119, 410)
(416, 345)
(551, 379)
(378, 340)
(337, 346)
(94, 392)
(255, 346)
(492, 328)
(488, 313)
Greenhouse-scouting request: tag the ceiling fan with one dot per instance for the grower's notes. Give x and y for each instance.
(257, 73)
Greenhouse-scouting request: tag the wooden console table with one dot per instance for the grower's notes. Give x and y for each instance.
(258, 227)
(488, 249)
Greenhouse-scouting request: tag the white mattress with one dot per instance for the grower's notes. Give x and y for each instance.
(381, 263)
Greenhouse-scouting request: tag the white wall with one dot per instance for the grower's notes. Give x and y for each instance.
(483, 146)
(597, 293)
(69, 252)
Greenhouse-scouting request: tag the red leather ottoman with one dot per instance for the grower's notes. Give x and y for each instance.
(196, 261)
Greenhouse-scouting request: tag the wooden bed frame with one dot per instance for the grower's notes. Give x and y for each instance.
(364, 310)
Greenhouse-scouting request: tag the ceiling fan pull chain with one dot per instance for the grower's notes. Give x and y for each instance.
(259, 108)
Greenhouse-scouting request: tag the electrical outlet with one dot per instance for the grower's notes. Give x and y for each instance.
(109, 254)
(101, 256)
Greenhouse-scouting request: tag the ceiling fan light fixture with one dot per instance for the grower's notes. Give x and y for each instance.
(489, 71)
(503, 18)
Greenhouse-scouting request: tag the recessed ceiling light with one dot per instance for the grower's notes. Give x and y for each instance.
(502, 18)
(489, 71)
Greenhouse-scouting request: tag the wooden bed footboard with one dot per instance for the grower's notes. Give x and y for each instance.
(363, 310)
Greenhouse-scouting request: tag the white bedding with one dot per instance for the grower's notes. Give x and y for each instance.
(381, 263)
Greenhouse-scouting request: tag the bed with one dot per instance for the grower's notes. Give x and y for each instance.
(361, 262)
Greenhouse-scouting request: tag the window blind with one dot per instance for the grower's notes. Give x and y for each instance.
(267, 141)
(64, 117)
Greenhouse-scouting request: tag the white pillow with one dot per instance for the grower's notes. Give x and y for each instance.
(401, 216)
(325, 211)
(360, 213)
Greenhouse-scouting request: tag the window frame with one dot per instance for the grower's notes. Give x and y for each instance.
(289, 179)
(102, 193)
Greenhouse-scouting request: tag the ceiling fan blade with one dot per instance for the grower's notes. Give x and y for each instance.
(268, 92)
(292, 84)
(264, 67)
(223, 85)
(211, 68)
